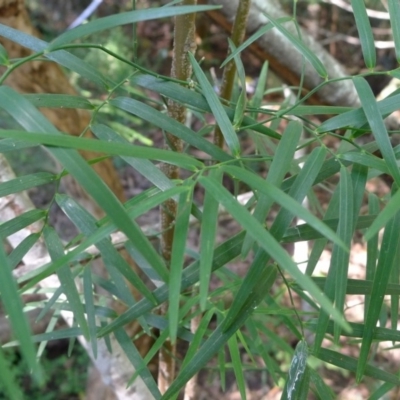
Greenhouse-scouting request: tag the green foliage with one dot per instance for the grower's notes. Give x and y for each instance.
(239, 312)
(66, 375)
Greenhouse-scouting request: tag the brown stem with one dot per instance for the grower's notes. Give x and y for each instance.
(228, 78)
(184, 41)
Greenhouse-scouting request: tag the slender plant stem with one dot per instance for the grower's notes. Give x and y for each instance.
(184, 41)
(228, 77)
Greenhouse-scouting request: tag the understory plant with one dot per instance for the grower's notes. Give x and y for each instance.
(251, 174)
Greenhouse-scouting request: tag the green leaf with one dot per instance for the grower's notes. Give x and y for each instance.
(378, 128)
(144, 204)
(223, 254)
(367, 160)
(198, 337)
(115, 264)
(237, 365)
(266, 241)
(61, 57)
(207, 240)
(20, 222)
(372, 248)
(8, 380)
(324, 391)
(305, 232)
(284, 200)
(340, 258)
(143, 166)
(384, 216)
(4, 60)
(258, 96)
(31, 119)
(177, 259)
(350, 364)
(7, 145)
(130, 17)
(394, 12)
(194, 100)
(260, 32)
(25, 182)
(50, 100)
(220, 336)
(71, 142)
(168, 124)
(296, 372)
(301, 47)
(16, 256)
(136, 360)
(242, 99)
(357, 118)
(336, 282)
(364, 32)
(13, 306)
(56, 250)
(280, 165)
(90, 310)
(387, 255)
(218, 111)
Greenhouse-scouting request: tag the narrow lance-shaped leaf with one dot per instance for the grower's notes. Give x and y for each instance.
(237, 365)
(31, 119)
(301, 47)
(194, 100)
(364, 32)
(266, 241)
(56, 250)
(136, 360)
(392, 207)
(218, 111)
(21, 221)
(115, 264)
(345, 230)
(177, 259)
(223, 254)
(143, 166)
(90, 310)
(63, 58)
(130, 17)
(387, 255)
(279, 167)
(207, 239)
(372, 249)
(242, 100)
(220, 337)
(4, 60)
(14, 308)
(70, 142)
(25, 182)
(296, 372)
(260, 32)
(377, 125)
(350, 364)
(357, 118)
(167, 123)
(394, 12)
